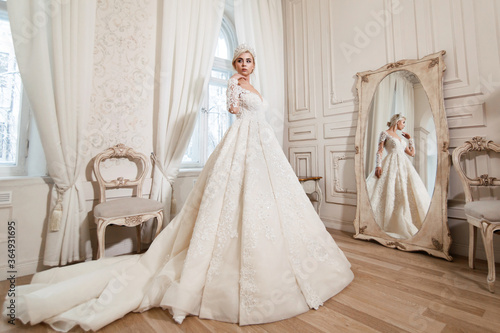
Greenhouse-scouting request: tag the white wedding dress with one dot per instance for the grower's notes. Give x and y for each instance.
(247, 247)
(399, 198)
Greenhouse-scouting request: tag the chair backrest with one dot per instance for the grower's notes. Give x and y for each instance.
(121, 151)
(477, 143)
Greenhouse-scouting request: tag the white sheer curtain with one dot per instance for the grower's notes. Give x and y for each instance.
(259, 23)
(54, 44)
(189, 37)
(405, 101)
(394, 95)
(382, 109)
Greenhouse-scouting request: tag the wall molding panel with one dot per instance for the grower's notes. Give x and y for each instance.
(340, 182)
(442, 25)
(305, 132)
(304, 160)
(339, 129)
(299, 64)
(332, 103)
(462, 114)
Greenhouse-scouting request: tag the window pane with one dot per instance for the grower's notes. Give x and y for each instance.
(10, 97)
(213, 119)
(222, 50)
(224, 75)
(219, 119)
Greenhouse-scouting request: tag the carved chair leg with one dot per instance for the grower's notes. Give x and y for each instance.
(138, 229)
(159, 223)
(487, 234)
(472, 245)
(101, 232)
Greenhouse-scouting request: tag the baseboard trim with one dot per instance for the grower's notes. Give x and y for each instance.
(463, 250)
(336, 224)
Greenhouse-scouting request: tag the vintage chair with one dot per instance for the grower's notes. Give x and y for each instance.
(128, 211)
(485, 214)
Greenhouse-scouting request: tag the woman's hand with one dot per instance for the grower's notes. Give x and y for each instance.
(378, 172)
(243, 81)
(238, 77)
(406, 135)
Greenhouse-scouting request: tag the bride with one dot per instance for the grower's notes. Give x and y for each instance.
(398, 196)
(247, 246)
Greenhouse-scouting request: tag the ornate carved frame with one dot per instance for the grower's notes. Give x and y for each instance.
(434, 236)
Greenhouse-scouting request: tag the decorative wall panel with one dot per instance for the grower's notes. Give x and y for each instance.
(340, 180)
(304, 161)
(333, 102)
(299, 74)
(444, 25)
(306, 132)
(124, 70)
(339, 129)
(461, 114)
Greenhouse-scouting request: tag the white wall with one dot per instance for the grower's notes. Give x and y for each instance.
(329, 41)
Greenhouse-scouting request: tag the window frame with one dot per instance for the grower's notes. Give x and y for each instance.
(18, 168)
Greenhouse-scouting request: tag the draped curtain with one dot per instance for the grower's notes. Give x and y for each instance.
(394, 95)
(259, 23)
(381, 110)
(189, 37)
(54, 45)
(405, 102)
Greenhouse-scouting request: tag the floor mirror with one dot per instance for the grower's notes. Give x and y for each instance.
(404, 204)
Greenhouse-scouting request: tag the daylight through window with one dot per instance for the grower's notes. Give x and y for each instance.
(213, 119)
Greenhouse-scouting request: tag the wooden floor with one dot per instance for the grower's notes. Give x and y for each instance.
(393, 291)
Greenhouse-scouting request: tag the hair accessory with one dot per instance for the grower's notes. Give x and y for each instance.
(242, 48)
(395, 118)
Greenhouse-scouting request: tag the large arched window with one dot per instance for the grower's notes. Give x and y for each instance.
(213, 119)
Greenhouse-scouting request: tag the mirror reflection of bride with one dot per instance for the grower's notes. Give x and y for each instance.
(398, 196)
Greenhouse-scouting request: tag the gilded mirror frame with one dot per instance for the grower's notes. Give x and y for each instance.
(434, 235)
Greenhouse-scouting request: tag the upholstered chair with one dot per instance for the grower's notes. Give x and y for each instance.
(481, 214)
(128, 211)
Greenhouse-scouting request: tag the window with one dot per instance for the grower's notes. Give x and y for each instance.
(17, 126)
(13, 119)
(213, 119)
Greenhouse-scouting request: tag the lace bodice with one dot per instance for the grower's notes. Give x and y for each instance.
(249, 103)
(392, 144)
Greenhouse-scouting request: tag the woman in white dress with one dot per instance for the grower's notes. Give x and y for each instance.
(247, 246)
(398, 197)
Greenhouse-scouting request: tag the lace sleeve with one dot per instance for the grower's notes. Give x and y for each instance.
(232, 96)
(378, 158)
(383, 136)
(411, 144)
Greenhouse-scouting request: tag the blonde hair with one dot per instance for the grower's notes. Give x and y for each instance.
(394, 119)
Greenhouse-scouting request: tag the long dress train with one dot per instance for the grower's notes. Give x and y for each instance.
(399, 198)
(247, 247)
